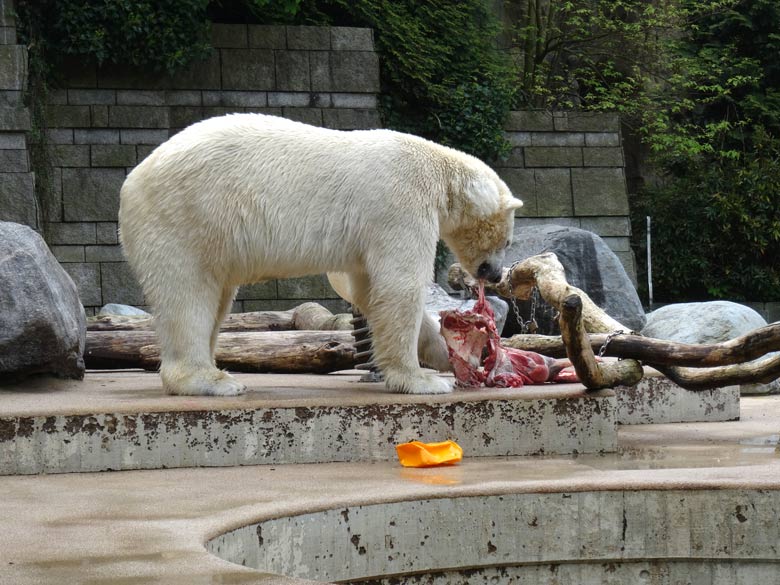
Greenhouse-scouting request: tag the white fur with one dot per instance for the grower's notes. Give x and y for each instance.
(247, 197)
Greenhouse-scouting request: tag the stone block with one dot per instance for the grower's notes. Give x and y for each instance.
(307, 287)
(607, 156)
(617, 243)
(17, 199)
(258, 290)
(91, 97)
(252, 99)
(10, 98)
(137, 117)
(183, 116)
(599, 191)
(354, 100)
(553, 156)
(14, 118)
(308, 38)
(52, 192)
(184, 97)
(104, 253)
(91, 194)
(120, 284)
(557, 139)
(13, 67)
(143, 136)
(99, 116)
(92, 136)
(14, 161)
(607, 226)
(529, 121)
(311, 116)
(538, 221)
(212, 112)
(282, 99)
(248, 69)
(292, 71)
(59, 136)
(515, 159)
(57, 97)
(229, 35)
(587, 122)
(106, 233)
(132, 97)
(58, 233)
(519, 138)
(319, 65)
(602, 139)
(144, 150)
(204, 74)
(351, 119)
(553, 192)
(87, 280)
(13, 141)
(522, 184)
(344, 38)
(69, 155)
(68, 253)
(267, 37)
(113, 155)
(354, 71)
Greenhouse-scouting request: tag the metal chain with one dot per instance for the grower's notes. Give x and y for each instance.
(530, 325)
(609, 338)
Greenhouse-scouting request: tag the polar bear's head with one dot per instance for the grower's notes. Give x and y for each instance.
(481, 223)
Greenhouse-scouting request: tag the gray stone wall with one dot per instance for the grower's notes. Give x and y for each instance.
(17, 191)
(102, 121)
(568, 169)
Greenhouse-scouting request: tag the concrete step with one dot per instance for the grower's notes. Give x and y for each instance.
(123, 421)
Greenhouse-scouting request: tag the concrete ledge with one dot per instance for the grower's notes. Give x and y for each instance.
(656, 400)
(124, 421)
(597, 536)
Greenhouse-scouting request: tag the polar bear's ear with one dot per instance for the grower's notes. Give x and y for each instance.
(483, 196)
(513, 203)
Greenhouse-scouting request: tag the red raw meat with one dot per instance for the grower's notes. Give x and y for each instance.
(478, 358)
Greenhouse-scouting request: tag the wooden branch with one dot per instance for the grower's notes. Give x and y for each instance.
(759, 371)
(251, 351)
(592, 374)
(235, 322)
(742, 349)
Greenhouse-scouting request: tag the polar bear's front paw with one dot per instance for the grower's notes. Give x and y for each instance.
(205, 382)
(424, 383)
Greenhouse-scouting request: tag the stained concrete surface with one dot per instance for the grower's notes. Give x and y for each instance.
(137, 527)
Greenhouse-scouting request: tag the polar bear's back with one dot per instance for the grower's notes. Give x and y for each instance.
(249, 183)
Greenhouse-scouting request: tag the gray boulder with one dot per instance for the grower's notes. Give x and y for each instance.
(42, 321)
(707, 322)
(123, 310)
(590, 265)
(439, 299)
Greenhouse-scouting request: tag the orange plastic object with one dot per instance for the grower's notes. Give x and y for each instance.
(417, 454)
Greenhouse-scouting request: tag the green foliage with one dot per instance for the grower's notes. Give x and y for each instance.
(159, 34)
(716, 227)
(443, 77)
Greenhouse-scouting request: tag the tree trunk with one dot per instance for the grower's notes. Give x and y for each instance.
(235, 322)
(250, 351)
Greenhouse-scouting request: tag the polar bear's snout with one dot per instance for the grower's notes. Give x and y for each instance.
(489, 272)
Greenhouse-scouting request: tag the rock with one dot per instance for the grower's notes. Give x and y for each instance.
(708, 322)
(42, 321)
(590, 265)
(439, 299)
(124, 310)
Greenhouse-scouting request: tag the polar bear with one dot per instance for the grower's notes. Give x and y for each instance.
(248, 197)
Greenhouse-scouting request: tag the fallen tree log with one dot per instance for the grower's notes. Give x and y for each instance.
(251, 351)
